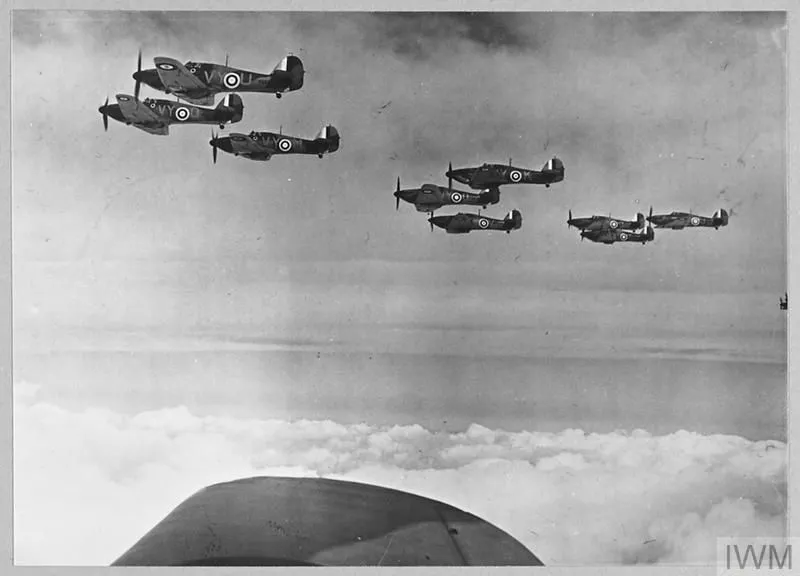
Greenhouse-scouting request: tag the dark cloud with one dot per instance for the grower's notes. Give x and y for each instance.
(421, 35)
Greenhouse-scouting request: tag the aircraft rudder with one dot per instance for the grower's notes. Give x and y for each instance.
(296, 70)
(515, 218)
(332, 138)
(231, 101)
(554, 165)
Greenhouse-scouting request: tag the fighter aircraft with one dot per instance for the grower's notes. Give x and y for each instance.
(263, 145)
(594, 223)
(463, 223)
(430, 197)
(489, 175)
(155, 116)
(200, 82)
(612, 235)
(680, 220)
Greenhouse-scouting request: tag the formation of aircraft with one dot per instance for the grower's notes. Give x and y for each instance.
(430, 197)
(263, 145)
(489, 175)
(200, 82)
(607, 230)
(487, 178)
(681, 220)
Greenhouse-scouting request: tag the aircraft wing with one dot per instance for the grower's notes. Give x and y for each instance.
(247, 145)
(176, 78)
(279, 521)
(141, 116)
(157, 130)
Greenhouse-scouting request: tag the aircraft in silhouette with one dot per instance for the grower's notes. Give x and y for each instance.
(264, 145)
(594, 223)
(681, 220)
(430, 197)
(463, 223)
(489, 175)
(155, 116)
(200, 82)
(613, 235)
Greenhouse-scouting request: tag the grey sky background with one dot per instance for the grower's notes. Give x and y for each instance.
(148, 280)
(122, 230)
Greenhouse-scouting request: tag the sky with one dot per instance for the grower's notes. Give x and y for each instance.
(167, 308)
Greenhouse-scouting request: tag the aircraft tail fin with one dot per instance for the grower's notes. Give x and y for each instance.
(720, 217)
(640, 221)
(329, 137)
(293, 66)
(232, 103)
(650, 233)
(492, 195)
(554, 165)
(513, 220)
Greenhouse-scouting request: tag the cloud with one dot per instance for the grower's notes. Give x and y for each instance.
(90, 483)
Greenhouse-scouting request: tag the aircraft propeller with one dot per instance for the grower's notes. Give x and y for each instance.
(213, 143)
(105, 115)
(397, 196)
(138, 69)
(450, 178)
(569, 219)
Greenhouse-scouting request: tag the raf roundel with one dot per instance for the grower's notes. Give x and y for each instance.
(515, 176)
(483, 223)
(695, 221)
(623, 236)
(613, 224)
(231, 80)
(166, 66)
(455, 197)
(182, 113)
(285, 145)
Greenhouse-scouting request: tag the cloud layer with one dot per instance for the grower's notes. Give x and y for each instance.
(89, 484)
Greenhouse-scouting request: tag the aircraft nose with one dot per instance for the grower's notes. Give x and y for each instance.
(440, 221)
(222, 143)
(407, 195)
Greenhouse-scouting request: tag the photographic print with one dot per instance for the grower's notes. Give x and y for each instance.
(397, 289)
